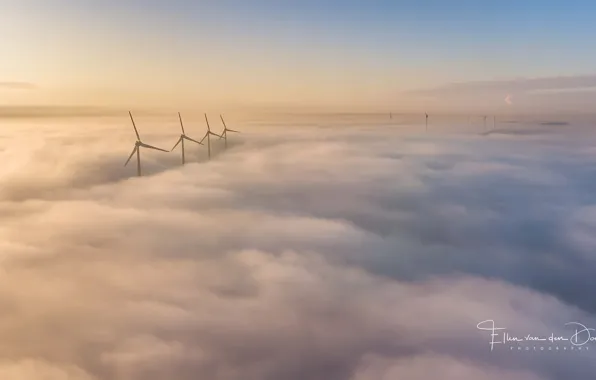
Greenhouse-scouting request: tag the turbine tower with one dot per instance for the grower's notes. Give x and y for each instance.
(224, 134)
(182, 138)
(138, 145)
(208, 136)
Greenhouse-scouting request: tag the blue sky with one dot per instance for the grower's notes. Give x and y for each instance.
(368, 49)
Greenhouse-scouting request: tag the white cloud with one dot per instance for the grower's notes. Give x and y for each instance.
(425, 367)
(566, 94)
(41, 370)
(310, 253)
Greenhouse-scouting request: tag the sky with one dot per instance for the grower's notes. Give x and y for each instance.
(341, 55)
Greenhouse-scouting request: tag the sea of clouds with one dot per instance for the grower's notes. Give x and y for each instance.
(305, 251)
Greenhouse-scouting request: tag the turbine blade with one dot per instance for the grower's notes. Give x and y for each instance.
(204, 137)
(181, 124)
(134, 126)
(193, 140)
(214, 134)
(225, 127)
(207, 120)
(178, 142)
(132, 154)
(154, 147)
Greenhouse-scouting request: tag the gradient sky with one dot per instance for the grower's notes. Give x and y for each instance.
(345, 54)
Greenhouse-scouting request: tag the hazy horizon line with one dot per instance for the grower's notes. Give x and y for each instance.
(26, 111)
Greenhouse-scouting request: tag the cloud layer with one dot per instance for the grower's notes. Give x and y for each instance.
(519, 85)
(309, 252)
(17, 85)
(549, 94)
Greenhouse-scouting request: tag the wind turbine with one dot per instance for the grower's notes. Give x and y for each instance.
(138, 145)
(182, 138)
(208, 135)
(485, 123)
(224, 134)
(426, 121)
